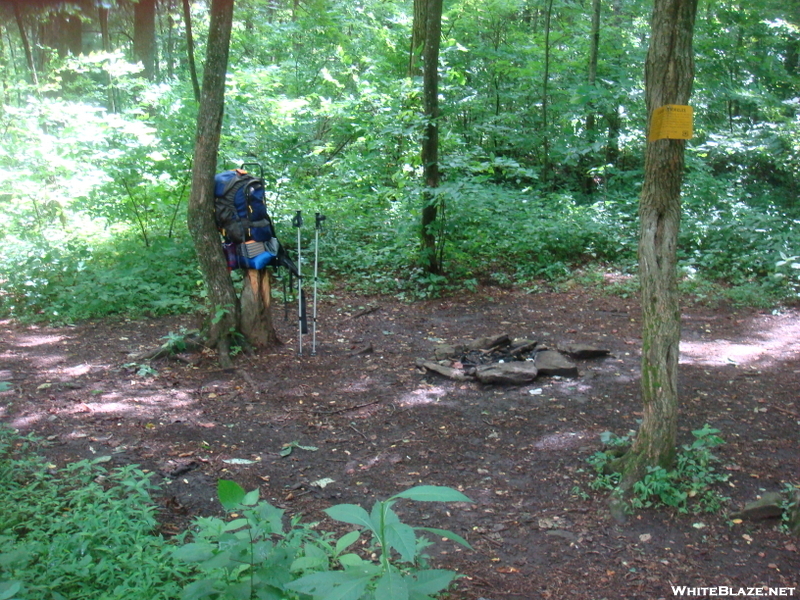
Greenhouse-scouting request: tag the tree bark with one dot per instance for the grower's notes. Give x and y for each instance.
(417, 37)
(144, 36)
(221, 296)
(256, 320)
(590, 160)
(669, 75)
(26, 46)
(430, 144)
(105, 36)
(545, 93)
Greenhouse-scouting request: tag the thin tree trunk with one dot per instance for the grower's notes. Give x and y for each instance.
(591, 118)
(669, 75)
(594, 44)
(102, 16)
(430, 145)
(26, 46)
(545, 92)
(222, 298)
(187, 21)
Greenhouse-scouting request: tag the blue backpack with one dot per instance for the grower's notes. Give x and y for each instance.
(246, 227)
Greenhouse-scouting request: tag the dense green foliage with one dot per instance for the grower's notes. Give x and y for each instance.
(692, 485)
(95, 159)
(253, 555)
(83, 531)
(79, 532)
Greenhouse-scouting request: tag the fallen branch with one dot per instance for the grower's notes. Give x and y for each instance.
(341, 410)
(785, 411)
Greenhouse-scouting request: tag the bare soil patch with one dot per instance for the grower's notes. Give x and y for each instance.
(382, 425)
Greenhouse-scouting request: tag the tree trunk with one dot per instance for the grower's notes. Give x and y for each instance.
(221, 295)
(102, 16)
(26, 46)
(144, 36)
(430, 145)
(669, 74)
(545, 92)
(591, 117)
(256, 319)
(417, 37)
(187, 21)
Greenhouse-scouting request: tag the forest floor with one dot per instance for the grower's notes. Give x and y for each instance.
(380, 425)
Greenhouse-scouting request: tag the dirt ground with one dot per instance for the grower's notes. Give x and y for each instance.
(380, 425)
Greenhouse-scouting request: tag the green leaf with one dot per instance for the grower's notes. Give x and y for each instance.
(4, 387)
(392, 586)
(350, 560)
(195, 552)
(236, 524)
(447, 534)
(9, 589)
(230, 493)
(199, 589)
(346, 541)
(402, 538)
(350, 513)
(336, 585)
(251, 498)
(431, 581)
(433, 493)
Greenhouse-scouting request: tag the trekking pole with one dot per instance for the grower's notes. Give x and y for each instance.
(318, 219)
(298, 223)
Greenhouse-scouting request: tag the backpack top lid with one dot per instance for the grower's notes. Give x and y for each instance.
(224, 181)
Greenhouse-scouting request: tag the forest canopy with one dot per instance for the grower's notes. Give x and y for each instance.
(541, 136)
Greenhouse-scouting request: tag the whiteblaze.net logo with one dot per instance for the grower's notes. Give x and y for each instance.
(725, 591)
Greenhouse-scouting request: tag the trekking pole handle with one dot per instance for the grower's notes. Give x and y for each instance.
(318, 218)
(297, 221)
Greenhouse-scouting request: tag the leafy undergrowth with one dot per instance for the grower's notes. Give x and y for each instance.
(79, 532)
(691, 486)
(94, 532)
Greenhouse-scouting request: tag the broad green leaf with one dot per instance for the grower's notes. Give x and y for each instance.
(200, 589)
(433, 493)
(241, 590)
(235, 524)
(402, 538)
(346, 541)
(195, 552)
(447, 534)
(4, 387)
(251, 498)
(391, 586)
(350, 560)
(270, 518)
(334, 585)
(9, 588)
(431, 581)
(350, 513)
(307, 563)
(230, 493)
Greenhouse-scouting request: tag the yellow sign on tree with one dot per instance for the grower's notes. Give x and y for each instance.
(671, 121)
